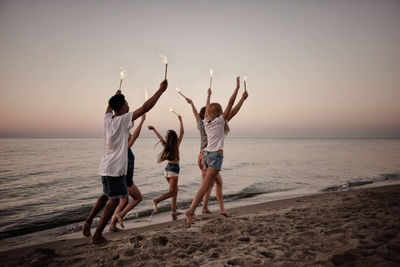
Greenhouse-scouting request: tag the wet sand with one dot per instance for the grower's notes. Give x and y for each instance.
(352, 228)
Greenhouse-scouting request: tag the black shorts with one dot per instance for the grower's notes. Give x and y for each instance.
(129, 178)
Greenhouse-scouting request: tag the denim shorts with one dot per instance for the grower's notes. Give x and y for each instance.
(114, 187)
(212, 160)
(172, 170)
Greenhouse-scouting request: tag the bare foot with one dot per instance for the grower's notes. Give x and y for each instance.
(99, 240)
(114, 228)
(176, 213)
(226, 214)
(155, 206)
(86, 229)
(205, 211)
(120, 220)
(188, 219)
(196, 218)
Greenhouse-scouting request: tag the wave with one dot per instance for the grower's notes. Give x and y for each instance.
(386, 177)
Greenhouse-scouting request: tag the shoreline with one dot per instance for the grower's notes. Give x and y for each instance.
(73, 231)
(264, 230)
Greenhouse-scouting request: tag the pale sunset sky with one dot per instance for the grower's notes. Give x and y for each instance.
(315, 68)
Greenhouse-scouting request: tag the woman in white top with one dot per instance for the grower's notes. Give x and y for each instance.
(203, 139)
(216, 128)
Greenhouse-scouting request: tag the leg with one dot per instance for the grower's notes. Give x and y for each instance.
(210, 177)
(206, 198)
(105, 217)
(135, 193)
(173, 191)
(203, 174)
(220, 196)
(174, 184)
(121, 206)
(200, 161)
(101, 202)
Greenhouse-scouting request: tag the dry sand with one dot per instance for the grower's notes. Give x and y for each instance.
(351, 228)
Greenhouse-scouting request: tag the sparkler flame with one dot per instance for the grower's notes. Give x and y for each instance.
(122, 73)
(177, 89)
(164, 59)
(211, 72)
(245, 78)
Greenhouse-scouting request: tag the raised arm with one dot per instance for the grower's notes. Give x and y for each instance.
(158, 135)
(136, 132)
(181, 131)
(228, 108)
(208, 99)
(149, 104)
(237, 107)
(195, 113)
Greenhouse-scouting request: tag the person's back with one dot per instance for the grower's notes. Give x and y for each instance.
(114, 163)
(116, 134)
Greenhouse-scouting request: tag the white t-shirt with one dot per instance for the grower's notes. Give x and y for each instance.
(116, 135)
(215, 131)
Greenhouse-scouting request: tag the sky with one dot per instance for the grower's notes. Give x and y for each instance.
(315, 68)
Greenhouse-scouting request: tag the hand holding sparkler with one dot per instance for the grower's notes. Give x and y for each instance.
(164, 85)
(188, 100)
(245, 95)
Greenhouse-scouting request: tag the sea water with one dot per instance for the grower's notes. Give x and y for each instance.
(50, 183)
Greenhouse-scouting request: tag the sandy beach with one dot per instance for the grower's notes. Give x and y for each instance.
(353, 228)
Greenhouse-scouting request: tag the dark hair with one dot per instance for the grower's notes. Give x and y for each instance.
(170, 151)
(116, 102)
(202, 111)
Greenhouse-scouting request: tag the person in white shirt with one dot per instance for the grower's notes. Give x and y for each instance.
(203, 139)
(216, 128)
(114, 163)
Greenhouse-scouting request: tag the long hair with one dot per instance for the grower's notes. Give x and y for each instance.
(214, 111)
(201, 113)
(170, 151)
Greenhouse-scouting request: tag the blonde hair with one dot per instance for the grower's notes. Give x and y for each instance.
(214, 110)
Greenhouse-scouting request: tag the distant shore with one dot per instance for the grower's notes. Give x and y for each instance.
(360, 226)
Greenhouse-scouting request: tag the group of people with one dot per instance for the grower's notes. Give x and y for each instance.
(117, 164)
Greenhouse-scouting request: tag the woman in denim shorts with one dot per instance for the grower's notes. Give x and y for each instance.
(171, 173)
(216, 127)
(203, 141)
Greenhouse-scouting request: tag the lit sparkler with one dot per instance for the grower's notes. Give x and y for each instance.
(211, 75)
(122, 75)
(173, 111)
(177, 89)
(164, 61)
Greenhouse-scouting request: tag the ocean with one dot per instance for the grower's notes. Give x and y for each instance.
(53, 183)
